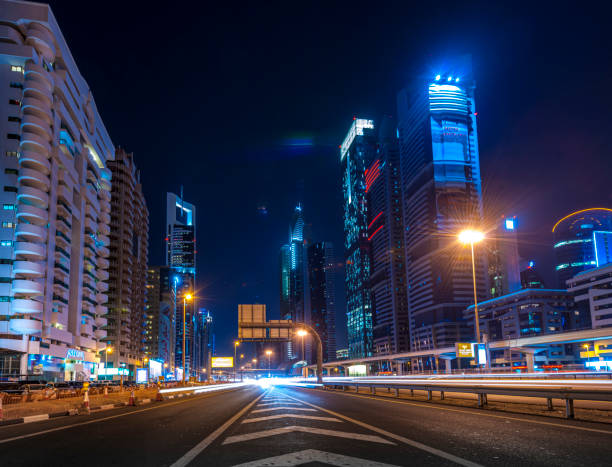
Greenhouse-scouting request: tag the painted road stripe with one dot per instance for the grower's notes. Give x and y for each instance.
(304, 429)
(198, 448)
(263, 404)
(269, 409)
(312, 455)
(305, 417)
(35, 418)
(409, 442)
(479, 414)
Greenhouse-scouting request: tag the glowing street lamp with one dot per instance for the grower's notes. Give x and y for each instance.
(269, 354)
(302, 333)
(236, 344)
(469, 237)
(186, 297)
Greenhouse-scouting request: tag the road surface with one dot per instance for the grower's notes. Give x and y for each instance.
(286, 426)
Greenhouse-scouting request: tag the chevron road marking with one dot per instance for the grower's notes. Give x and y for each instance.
(288, 415)
(402, 439)
(304, 429)
(283, 408)
(312, 455)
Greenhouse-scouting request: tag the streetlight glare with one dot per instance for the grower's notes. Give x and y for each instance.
(268, 352)
(188, 296)
(302, 333)
(470, 236)
(109, 350)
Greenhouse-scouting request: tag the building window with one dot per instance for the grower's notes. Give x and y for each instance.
(6, 243)
(13, 136)
(5, 299)
(17, 68)
(11, 171)
(14, 119)
(12, 154)
(14, 102)
(16, 85)
(8, 207)
(5, 280)
(11, 189)
(8, 225)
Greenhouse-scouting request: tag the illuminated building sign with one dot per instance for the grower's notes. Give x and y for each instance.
(223, 362)
(356, 130)
(357, 370)
(75, 354)
(464, 349)
(509, 224)
(141, 376)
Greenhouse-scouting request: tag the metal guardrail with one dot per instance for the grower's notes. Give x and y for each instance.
(566, 394)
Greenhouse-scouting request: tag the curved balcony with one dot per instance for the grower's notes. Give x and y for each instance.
(29, 268)
(42, 40)
(101, 298)
(32, 214)
(34, 178)
(34, 106)
(104, 239)
(33, 196)
(101, 310)
(30, 250)
(100, 333)
(60, 291)
(64, 193)
(103, 228)
(102, 274)
(24, 326)
(102, 286)
(35, 71)
(90, 226)
(26, 287)
(105, 206)
(35, 161)
(23, 306)
(105, 217)
(34, 142)
(105, 195)
(34, 88)
(103, 263)
(36, 125)
(100, 322)
(104, 252)
(30, 232)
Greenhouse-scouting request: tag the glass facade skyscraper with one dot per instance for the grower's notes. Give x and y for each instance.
(441, 187)
(357, 152)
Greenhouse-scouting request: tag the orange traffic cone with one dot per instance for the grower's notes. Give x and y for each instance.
(132, 398)
(86, 402)
(106, 390)
(159, 396)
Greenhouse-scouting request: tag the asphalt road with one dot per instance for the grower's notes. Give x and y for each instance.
(293, 426)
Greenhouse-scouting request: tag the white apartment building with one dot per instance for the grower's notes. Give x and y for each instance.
(55, 203)
(592, 290)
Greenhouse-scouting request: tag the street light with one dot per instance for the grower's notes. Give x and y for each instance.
(236, 344)
(302, 333)
(586, 346)
(186, 297)
(268, 353)
(469, 237)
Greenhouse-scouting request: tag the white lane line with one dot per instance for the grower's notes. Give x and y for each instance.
(304, 429)
(283, 408)
(288, 415)
(264, 404)
(35, 418)
(198, 448)
(409, 442)
(313, 455)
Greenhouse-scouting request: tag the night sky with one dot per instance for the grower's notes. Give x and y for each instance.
(246, 105)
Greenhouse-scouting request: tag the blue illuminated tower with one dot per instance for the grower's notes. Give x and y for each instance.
(357, 152)
(441, 186)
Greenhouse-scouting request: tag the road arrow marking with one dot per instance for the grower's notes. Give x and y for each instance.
(305, 417)
(312, 455)
(304, 429)
(283, 408)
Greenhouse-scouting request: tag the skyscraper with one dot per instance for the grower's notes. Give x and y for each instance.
(503, 261)
(578, 238)
(442, 195)
(357, 152)
(129, 245)
(323, 296)
(386, 240)
(160, 311)
(284, 261)
(203, 342)
(55, 197)
(181, 257)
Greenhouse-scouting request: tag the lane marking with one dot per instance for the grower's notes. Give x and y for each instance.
(468, 411)
(35, 418)
(198, 448)
(305, 417)
(89, 422)
(312, 455)
(265, 404)
(269, 409)
(409, 442)
(304, 429)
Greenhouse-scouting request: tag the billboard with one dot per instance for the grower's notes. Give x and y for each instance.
(155, 368)
(141, 376)
(251, 314)
(464, 349)
(223, 362)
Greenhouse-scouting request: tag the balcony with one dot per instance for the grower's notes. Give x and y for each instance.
(101, 310)
(23, 306)
(63, 193)
(32, 214)
(100, 333)
(42, 40)
(34, 142)
(35, 161)
(38, 125)
(86, 342)
(104, 239)
(102, 286)
(105, 206)
(103, 263)
(104, 252)
(100, 322)
(33, 196)
(34, 178)
(30, 233)
(30, 250)
(103, 228)
(29, 268)
(90, 226)
(101, 298)
(27, 287)
(37, 107)
(33, 88)
(35, 71)
(24, 326)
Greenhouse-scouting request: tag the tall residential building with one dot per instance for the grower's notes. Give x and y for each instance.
(357, 152)
(56, 203)
(203, 344)
(129, 247)
(323, 295)
(181, 257)
(503, 260)
(592, 293)
(530, 277)
(441, 196)
(284, 261)
(386, 238)
(575, 237)
(160, 314)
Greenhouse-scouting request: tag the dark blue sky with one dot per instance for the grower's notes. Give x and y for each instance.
(209, 97)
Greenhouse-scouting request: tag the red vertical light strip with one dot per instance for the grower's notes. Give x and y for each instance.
(375, 232)
(374, 220)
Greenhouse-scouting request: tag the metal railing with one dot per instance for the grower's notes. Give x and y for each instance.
(569, 395)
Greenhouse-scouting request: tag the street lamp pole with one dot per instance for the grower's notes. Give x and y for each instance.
(236, 344)
(185, 298)
(469, 237)
(269, 353)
